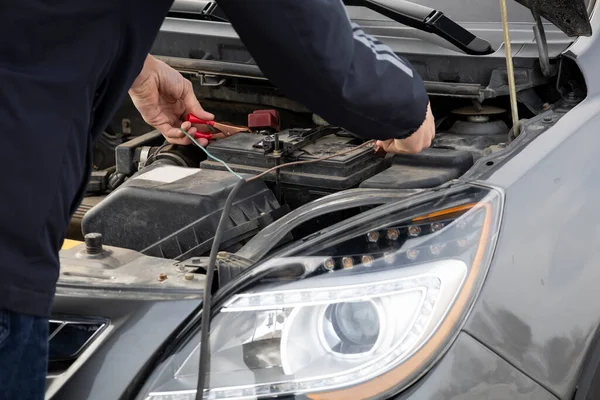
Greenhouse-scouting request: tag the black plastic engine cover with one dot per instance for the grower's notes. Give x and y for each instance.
(171, 211)
(430, 168)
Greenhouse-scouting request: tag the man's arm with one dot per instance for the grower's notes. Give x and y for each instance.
(312, 52)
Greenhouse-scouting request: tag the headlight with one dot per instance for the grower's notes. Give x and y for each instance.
(388, 296)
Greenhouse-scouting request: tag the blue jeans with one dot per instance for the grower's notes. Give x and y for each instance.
(23, 356)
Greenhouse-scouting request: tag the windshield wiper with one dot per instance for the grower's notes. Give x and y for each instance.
(428, 20)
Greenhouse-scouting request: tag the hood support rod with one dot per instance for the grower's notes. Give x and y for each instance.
(542, 43)
(510, 69)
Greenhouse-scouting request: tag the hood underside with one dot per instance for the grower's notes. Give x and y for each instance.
(570, 16)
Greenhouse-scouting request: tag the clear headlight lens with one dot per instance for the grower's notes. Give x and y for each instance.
(390, 296)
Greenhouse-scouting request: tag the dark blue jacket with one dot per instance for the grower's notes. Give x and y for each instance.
(66, 65)
(310, 50)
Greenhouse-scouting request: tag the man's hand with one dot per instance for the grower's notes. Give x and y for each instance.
(416, 142)
(163, 97)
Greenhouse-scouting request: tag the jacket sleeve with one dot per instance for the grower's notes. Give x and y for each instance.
(312, 52)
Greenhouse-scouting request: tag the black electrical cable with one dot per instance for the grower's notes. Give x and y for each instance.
(153, 156)
(204, 365)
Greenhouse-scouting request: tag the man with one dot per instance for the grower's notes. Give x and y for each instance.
(65, 67)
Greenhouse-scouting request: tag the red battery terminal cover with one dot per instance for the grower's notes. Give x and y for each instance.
(264, 119)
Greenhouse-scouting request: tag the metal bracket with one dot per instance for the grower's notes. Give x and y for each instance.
(144, 156)
(211, 80)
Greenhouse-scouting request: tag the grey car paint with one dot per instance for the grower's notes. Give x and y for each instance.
(107, 368)
(470, 371)
(523, 339)
(538, 309)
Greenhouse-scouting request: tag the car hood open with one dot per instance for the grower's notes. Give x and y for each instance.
(570, 16)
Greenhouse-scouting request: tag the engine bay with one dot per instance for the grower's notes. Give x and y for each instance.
(164, 200)
(292, 197)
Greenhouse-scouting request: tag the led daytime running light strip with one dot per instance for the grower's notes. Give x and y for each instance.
(327, 295)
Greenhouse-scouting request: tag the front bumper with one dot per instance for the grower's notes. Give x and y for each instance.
(470, 371)
(109, 366)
